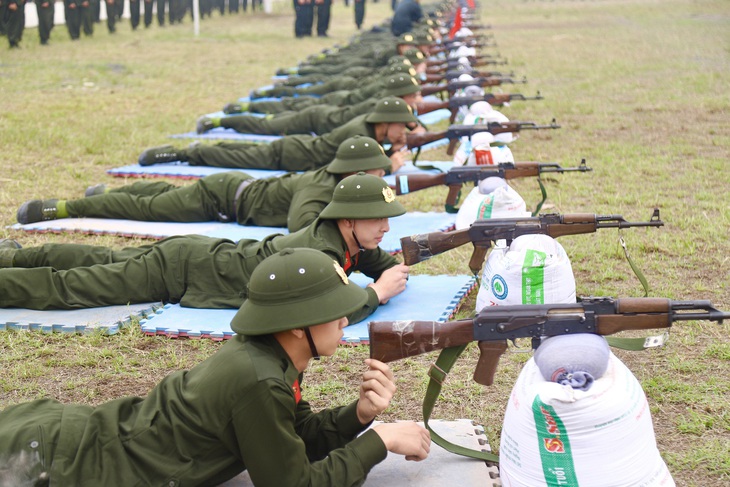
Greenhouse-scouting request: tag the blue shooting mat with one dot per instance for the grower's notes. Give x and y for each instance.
(107, 319)
(409, 224)
(181, 170)
(428, 298)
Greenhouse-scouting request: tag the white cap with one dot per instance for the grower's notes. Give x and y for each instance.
(490, 184)
(480, 108)
(481, 138)
(466, 77)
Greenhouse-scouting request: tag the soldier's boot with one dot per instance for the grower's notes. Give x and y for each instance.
(95, 189)
(159, 155)
(232, 108)
(7, 251)
(205, 124)
(41, 210)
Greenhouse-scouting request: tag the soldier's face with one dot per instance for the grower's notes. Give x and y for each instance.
(328, 335)
(370, 232)
(376, 172)
(396, 133)
(413, 99)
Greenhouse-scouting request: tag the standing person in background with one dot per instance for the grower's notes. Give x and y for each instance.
(134, 13)
(233, 6)
(111, 15)
(304, 12)
(161, 12)
(323, 16)
(13, 15)
(359, 13)
(148, 8)
(72, 14)
(87, 17)
(406, 14)
(45, 9)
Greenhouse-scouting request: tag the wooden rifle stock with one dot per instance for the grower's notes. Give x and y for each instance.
(417, 248)
(431, 106)
(417, 140)
(408, 183)
(395, 340)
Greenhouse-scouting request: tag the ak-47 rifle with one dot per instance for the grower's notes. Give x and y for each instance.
(494, 325)
(456, 102)
(456, 132)
(452, 86)
(457, 176)
(437, 66)
(482, 233)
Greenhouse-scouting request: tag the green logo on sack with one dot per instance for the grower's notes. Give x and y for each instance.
(533, 277)
(554, 446)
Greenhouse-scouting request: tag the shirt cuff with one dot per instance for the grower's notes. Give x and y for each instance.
(369, 448)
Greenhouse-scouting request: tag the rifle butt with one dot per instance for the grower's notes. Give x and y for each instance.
(395, 340)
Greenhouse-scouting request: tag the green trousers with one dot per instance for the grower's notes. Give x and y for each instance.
(317, 119)
(318, 89)
(291, 153)
(45, 10)
(208, 199)
(211, 272)
(283, 105)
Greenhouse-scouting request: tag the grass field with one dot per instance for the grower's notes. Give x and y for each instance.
(640, 88)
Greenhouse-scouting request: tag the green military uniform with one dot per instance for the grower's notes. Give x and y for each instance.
(241, 408)
(195, 271)
(290, 153)
(316, 119)
(338, 98)
(293, 200)
(237, 410)
(45, 10)
(14, 20)
(320, 119)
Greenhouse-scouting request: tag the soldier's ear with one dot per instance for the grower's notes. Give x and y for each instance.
(297, 332)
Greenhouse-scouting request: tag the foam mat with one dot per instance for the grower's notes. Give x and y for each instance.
(409, 224)
(107, 319)
(181, 170)
(430, 298)
(440, 469)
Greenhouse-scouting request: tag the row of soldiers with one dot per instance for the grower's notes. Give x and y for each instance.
(242, 409)
(81, 15)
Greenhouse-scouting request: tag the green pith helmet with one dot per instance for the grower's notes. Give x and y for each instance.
(401, 84)
(400, 69)
(391, 110)
(358, 153)
(407, 39)
(415, 56)
(296, 288)
(399, 59)
(423, 38)
(362, 197)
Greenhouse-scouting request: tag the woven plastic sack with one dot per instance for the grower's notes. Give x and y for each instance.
(554, 435)
(534, 269)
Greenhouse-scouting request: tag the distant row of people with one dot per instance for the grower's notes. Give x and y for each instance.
(81, 15)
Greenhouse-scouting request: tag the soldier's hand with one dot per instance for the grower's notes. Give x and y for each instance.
(391, 283)
(398, 160)
(405, 438)
(376, 390)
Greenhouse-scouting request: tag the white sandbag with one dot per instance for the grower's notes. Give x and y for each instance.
(554, 435)
(503, 202)
(534, 269)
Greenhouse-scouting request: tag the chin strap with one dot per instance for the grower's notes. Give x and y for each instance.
(312, 347)
(357, 241)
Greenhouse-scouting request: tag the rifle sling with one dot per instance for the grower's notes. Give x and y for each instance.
(543, 191)
(437, 374)
(634, 267)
